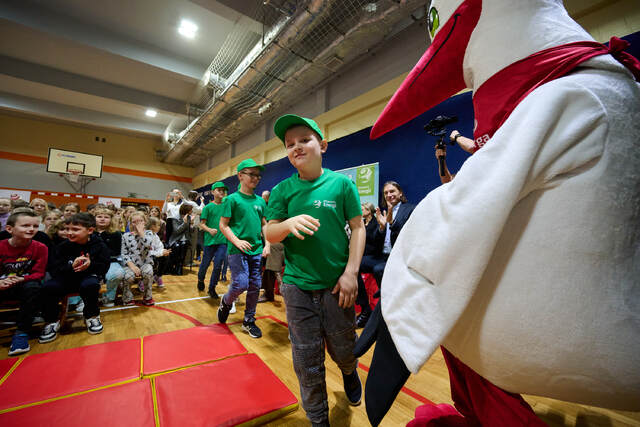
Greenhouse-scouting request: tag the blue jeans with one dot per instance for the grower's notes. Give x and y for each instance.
(315, 320)
(113, 278)
(217, 253)
(245, 276)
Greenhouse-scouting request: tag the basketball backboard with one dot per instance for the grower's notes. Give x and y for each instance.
(67, 162)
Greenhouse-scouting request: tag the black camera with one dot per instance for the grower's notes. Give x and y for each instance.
(438, 128)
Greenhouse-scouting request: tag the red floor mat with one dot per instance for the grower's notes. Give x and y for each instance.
(223, 393)
(187, 347)
(6, 364)
(125, 405)
(48, 375)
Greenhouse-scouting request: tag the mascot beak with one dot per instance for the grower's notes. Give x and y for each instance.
(439, 73)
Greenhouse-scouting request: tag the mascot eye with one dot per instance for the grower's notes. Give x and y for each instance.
(434, 21)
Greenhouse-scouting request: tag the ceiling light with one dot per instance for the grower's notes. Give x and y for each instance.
(187, 29)
(151, 113)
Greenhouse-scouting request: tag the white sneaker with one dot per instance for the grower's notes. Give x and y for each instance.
(80, 307)
(49, 332)
(94, 325)
(233, 308)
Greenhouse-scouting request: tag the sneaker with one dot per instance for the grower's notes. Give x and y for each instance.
(128, 303)
(80, 307)
(94, 325)
(223, 311)
(362, 319)
(252, 328)
(233, 308)
(200, 285)
(353, 387)
(212, 293)
(148, 302)
(19, 344)
(160, 282)
(49, 332)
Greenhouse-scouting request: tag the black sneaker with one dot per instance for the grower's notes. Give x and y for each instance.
(49, 332)
(223, 311)
(200, 285)
(252, 328)
(94, 325)
(212, 293)
(362, 319)
(352, 388)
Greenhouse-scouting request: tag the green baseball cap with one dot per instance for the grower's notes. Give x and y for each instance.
(248, 163)
(287, 121)
(219, 184)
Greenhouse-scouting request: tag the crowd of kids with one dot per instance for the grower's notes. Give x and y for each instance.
(47, 253)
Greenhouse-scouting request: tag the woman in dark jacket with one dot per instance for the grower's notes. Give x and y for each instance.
(179, 240)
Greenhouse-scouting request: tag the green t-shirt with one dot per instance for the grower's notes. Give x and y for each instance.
(245, 213)
(211, 217)
(319, 260)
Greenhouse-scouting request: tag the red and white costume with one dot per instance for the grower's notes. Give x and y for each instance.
(526, 266)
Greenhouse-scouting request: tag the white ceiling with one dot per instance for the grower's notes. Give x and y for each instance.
(104, 63)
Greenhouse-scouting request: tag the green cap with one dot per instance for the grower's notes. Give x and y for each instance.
(287, 121)
(248, 163)
(219, 184)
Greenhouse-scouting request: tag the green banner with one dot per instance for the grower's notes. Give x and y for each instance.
(366, 178)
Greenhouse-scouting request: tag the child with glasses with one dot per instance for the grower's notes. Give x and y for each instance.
(241, 222)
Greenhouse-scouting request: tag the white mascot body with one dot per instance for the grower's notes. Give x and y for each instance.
(526, 266)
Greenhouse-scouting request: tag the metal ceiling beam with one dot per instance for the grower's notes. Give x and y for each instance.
(54, 77)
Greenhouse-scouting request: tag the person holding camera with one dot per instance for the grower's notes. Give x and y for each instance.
(465, 143)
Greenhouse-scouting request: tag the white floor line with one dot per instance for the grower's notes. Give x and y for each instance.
(104, 310)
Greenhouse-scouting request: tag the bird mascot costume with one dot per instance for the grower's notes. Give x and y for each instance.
(525, 268)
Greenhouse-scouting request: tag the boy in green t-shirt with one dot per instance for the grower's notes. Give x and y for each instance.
(215, 245)
(308, 213)
(241, 223)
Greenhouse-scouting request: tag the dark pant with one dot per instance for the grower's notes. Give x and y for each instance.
(28, 293)
(217, 253)
(373, 265)
(269, 284)
(316, 319)
(177, 257)
(55, 289)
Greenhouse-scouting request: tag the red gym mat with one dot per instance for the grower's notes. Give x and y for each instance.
(223, 393)
(5, 366)
(125, 405)
(44, 376)
(188, 347)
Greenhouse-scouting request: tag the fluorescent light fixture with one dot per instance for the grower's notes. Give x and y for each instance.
(151, 112)
(187, 28)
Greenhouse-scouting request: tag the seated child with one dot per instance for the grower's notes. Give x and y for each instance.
(78, 264)
(111, 237)
(158, 251)
(22, 266)
(137, 245)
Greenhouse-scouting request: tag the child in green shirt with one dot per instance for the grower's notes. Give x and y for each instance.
(215, 245)
(241, 223)
(308, 213)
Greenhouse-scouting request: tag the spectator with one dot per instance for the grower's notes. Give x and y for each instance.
(40, 207)
(137, 246)
(5, 209)
(69, 209)
(372, 255)
(112, 237)
(179, 241)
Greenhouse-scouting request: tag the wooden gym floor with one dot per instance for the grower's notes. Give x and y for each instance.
(180, 306)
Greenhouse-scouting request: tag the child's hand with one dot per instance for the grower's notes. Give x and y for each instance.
(244, 246)
(348, 287)
(166, 252)
(302, 223)
(266, 251)
(139, 228)
(81, 263)
(136, 271)
(8, 282)
(213, 232)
